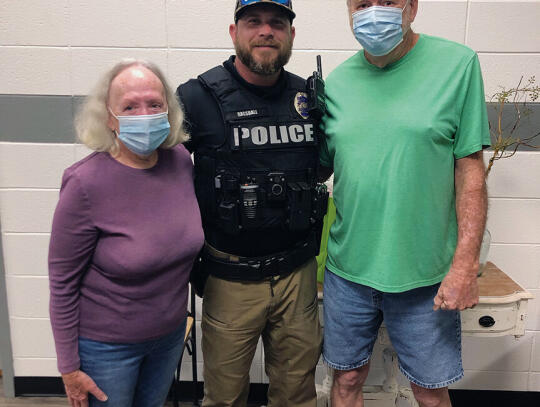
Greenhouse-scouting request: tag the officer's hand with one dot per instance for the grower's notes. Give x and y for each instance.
(78, 384)
(458, 290)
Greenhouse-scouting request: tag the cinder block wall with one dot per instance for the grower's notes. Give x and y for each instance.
(54, 51)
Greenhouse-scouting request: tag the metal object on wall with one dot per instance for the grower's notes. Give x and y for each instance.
(5, 337)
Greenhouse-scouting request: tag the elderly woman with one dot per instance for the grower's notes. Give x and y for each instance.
(125, 234)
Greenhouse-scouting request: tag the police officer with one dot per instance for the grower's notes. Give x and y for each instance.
(255, 146)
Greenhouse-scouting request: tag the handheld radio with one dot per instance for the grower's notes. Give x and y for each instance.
(316, 95)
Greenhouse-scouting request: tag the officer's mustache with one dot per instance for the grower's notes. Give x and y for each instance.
(265, 44)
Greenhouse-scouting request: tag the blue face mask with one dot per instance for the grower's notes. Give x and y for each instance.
(378, 29)
(143, 134)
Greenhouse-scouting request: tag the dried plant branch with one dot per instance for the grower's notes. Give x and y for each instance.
(506, 145)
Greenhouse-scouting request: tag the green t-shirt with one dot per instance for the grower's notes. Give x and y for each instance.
(392, 137)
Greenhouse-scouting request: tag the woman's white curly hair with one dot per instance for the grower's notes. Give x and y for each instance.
(91, 119)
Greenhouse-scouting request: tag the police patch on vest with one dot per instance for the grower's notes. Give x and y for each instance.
(256, 137)
(301, 104)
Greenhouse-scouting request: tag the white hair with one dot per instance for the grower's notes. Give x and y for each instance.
(91, 119)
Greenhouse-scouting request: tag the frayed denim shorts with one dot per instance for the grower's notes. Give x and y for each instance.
(428, 343)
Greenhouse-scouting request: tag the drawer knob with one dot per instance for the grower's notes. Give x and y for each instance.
(486, 321)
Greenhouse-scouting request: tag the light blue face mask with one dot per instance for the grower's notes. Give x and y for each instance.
(143, 134)
(378, 29)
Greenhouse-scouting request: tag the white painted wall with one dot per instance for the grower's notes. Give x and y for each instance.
(60, 47)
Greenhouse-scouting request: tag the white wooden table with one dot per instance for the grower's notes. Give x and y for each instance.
(501, 310)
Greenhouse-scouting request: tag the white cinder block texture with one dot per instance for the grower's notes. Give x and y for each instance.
(34, 22)
(534, 382)
(212, 27)
(515, 177)
(138, 23)
(35, 71)
(28, 297)
(303, 63)
(25, 254)
(497, 354)
(27, 211)
(535, 358)
(444, 19)
(323, 25)
(259, 353)
(256, 372)
(186, 371)
(514, 220)
(25, 165)
(533, 312)
(89, 64)
(198, 307)
(32, 338)
(81, 151)
(184, 65)
(520, 262)
(40, 367)
(509, 381)
(504, 26)
(503, 70)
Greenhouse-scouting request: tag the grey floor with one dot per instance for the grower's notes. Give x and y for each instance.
(52, 401)
(45, 401)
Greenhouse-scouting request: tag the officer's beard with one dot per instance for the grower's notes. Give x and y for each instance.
(266, 67)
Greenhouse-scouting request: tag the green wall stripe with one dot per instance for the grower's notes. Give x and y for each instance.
(37, 118)
(49, 119)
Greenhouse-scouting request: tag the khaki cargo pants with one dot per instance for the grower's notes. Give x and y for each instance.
(284, 311)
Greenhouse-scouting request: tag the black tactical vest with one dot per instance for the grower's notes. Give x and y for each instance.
(264, 174)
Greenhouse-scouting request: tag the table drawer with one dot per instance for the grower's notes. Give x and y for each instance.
(490, 319)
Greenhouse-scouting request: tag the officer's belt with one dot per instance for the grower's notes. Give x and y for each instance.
(235, 268)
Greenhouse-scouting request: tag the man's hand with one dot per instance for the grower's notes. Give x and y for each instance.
(458, 291)
(78, 384)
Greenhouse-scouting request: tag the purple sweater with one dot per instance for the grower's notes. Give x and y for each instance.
(123, 242)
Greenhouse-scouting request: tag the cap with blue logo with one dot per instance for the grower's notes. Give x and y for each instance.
(241, 5)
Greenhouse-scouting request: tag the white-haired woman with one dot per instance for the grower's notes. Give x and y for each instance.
(125, 234)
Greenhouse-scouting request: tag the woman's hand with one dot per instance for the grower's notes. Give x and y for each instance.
(78, 384)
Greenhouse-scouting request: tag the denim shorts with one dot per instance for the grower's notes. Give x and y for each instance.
(427, 342)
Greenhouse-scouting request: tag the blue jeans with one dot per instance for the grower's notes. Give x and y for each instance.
(132, 374)
(427, 342)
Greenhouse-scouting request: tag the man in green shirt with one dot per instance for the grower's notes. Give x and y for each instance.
(405, 129)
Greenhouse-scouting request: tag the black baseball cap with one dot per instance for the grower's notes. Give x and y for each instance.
(241, 5)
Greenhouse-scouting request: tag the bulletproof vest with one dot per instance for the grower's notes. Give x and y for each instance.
(264, 173)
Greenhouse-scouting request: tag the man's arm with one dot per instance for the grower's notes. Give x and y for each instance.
(459, 289)
(188, 127)
(324, 173)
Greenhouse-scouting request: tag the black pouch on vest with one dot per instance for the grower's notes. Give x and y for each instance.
(320, 202)
(228, 216)
(198, 275)
(205, 189)
(299, 206)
